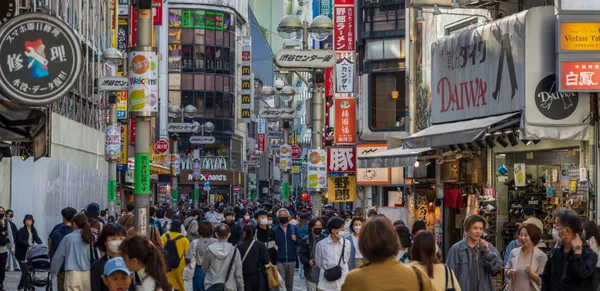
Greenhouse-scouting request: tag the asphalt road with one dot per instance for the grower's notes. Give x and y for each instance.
(12, 281)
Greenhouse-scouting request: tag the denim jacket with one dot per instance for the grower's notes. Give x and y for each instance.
(489, 264)
(286, 247)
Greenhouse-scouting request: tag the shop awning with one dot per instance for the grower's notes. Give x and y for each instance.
(158, 169)
(399, 157)
(460, 132)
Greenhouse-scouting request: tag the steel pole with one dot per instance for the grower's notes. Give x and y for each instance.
(318, 112)
(143, 126)
(286, 173)
(175, 186)
(112, 163)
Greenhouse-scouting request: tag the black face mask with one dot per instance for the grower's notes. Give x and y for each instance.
(284, 220)
(2, 216)
(317, 231)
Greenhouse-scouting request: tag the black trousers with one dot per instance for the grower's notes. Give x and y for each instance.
(3, 257)
(24, 281)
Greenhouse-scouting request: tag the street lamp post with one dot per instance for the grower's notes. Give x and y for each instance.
(319, 29)
(189, 110)
(208, 127)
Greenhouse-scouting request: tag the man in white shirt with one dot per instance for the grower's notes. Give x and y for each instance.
(328, 254)
(211, 217)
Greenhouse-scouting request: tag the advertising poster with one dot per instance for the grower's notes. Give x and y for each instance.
(286, 157)
(143, 78)
(317, 169)
(112, 142)
(341, 189)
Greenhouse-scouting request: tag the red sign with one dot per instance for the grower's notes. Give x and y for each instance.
(236, 189)
(329, 82)
(296, 151)
(246, 57)
(133, 27)
(343, 2)
(162, 146)
(345, 121)
(157, 13)
(341, 159)
(343, 29)
(577, 76)
(132, 130)
(261, 142)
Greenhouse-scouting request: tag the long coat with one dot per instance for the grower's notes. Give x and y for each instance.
(175, 276)
(255, 275)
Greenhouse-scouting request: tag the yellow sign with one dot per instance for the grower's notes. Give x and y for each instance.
(295, 170)
(579, 36)
(123, 158)
(246, 113)
(245, 84)
(341, 189)
(246, 98)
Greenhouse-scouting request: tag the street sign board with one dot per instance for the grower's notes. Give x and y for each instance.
(183, 127)
(252, 163)
(278, 113)
(296, 151)
(202, 139)
(207, 183)
(162, 146)
(275, 146)
(40, 59)
(275, 135)
(113, 83)
(293, 58)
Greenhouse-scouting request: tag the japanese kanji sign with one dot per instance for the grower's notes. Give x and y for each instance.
(40, 59)
(579, 76)
(341, 159)
(341, 189)
(122, 36)
(291, 58)
(122, 160)
(343, 28)
(142, 174)
(183, 127)
(329, 82)
(345, 121)
(344, 76)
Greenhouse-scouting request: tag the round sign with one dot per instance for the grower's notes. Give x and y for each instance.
(162, 146)
(553, 104)
(40, 59)
(296, 151)
(7, 10)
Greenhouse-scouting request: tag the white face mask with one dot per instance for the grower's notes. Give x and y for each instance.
(113, 246)
(247, 217)
(555, 235)
(270, 222)
(341, 234)
(357, 229)
(264, 221)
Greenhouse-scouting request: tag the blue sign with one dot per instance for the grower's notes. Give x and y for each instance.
(206, 183)
(122, 167)
(121, 114)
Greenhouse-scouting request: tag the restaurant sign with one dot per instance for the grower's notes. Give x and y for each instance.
(579, 36)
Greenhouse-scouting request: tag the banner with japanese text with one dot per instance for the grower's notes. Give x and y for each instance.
(341, 189)
(341, 159)
(344, 38)
(345, 121)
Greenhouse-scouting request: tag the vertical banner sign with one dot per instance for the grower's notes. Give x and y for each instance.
(143, 79)
(342, 189)
(285, 164)
(329, 82)
(157, 13)
(114, 13)
(317, 169)
(261, 142)
(341, 159)
(124, 142)
(112, 142)
(133, 27)
(285, 191)
(122, 110)
(122, 32)
(247, 82)
(345, 121)
(262, 125)
(112, 190)
(343, 28)
(142, 174)
(124, 7)
(344, 76)
(325, 8)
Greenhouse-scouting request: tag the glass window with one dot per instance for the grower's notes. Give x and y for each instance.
(226, 84)
(227, 104)
(210, 83)
(199, 38)
(210, 37)
(210, 59)
(219, 37)
(174, 18)
(219, 83)
(226, 38)
(174, 81)
(187, 18)
(388, 113)
(232, 40)
(199, 82)
(174, 58)
(200, 103)
(199, 58)
(187, 82)
(219, 104)
(232, 62)
(175, 98)
(209, 109)
(187, 36)
(219, 60)
(231, 85)
(187, 98)
(174, 35)
(187, 52)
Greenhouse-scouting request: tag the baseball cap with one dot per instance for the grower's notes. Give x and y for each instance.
(115, 265)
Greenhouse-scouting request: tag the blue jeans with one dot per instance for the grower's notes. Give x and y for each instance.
(198, 281)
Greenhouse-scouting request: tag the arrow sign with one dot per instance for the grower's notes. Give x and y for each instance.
(202, 139)
(183, 127)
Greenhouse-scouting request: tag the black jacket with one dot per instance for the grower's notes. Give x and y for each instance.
(13, 227)
(307, 246)
(570, 272)
(236, 232)
(267, 236)
(22, 244)
(255, 275)
(96, 275)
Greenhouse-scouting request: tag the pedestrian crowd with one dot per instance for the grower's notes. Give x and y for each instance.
(259, 247)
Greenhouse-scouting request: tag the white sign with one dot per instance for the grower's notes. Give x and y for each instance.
(183, 127)
(344, 76)
(583, 175)
(341, 159)
(275, 135)
(579, 5)
(275, 146)
(202, 139)
(111, 84)
(317, 169)
(371, 176)
(143, 77)
(113, 142)
(291, 58)
(261, 125)
(278, 113)
(285, 162)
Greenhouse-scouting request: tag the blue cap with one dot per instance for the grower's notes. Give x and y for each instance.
(114, 265)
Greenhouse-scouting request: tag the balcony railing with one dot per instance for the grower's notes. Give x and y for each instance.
(383, 15)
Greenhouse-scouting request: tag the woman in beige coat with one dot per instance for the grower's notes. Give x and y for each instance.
(526, 264)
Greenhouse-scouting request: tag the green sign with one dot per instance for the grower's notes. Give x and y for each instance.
(297, 162)
(202, 19)
(174, 197)
(112, 190)
(141, 176)
(285, 191)
(196, 194)
(326, 8)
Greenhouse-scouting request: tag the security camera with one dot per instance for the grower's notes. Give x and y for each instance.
(279, 84)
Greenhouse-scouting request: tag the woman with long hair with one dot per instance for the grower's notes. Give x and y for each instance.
(181, 242)
(405, 242)
(356, 258)
(147, 261)
(424, 257)
(378, 242)
(196, 252)
(592, 237)
(526, 264)
(26, 238)
(77, 252)
(109, 243)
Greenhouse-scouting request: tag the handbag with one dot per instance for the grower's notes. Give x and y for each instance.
(451, 279)
(190, 269)
(335, 273)
(273, 275)
(221, 286)
(418, 277)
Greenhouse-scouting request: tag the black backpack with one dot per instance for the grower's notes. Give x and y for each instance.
(172, 257)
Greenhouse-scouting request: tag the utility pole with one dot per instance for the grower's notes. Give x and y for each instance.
(286, 173)
(175, 183)
(112, 163)
(317, 120)
(143, 94)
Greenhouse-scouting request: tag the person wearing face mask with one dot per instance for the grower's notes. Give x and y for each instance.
(331, 253)
(13, 263)
(307, 253)
(109, 242)
(356, 258)
(26, 237)
(591, 234)
(572, 264)
(245, 220)
(287, 238)
(266, 235)
(526, 264)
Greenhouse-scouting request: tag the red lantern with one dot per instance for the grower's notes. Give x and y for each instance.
(304, 196)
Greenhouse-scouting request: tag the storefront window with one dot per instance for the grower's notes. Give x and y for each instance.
(187, 36)
(199, 82)
(199, 36)
(219, 105)
(387, 113)
(209, 109)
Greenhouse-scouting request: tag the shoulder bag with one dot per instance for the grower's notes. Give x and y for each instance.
(335, 273)
(449, 274)
(247, 251)
(418, 277)
(221, 286)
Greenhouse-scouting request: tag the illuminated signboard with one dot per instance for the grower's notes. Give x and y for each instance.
(202, 19)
